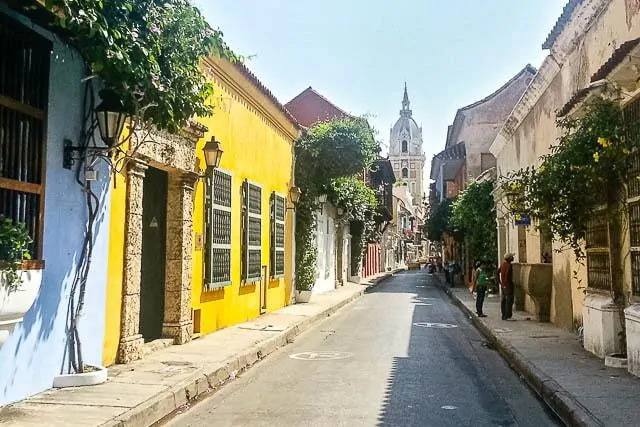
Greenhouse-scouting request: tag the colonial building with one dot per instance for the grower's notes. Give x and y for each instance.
(405, 152)
(593, 45)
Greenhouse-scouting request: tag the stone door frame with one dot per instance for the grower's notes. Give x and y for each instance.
(174, 154)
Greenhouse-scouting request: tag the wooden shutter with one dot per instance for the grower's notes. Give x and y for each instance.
(218, 230)
(278, 211)
(252, 253)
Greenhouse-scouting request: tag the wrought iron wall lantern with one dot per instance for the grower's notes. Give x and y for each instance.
(294, 196)
(212, 152)
(111, 116)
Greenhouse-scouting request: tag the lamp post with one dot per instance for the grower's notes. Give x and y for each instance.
(294, 196)
(212, 153)
(111, 117)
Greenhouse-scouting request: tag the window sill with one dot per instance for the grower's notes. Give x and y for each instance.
(30, 265)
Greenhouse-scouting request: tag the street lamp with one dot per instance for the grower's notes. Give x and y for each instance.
(111, 117)
(294, 196)
(212, 153)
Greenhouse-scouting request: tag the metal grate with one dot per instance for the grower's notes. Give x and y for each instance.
(252, 232)
(278, 211)
(597, 235)
(599, 270)
(222, 188)
(24, 90)
(218, 230)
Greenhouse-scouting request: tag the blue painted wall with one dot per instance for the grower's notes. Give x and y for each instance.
(36, 351)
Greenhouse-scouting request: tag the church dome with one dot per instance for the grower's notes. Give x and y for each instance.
(406, 135)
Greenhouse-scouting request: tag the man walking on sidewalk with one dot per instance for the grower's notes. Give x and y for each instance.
(507, 288)
(480, 282)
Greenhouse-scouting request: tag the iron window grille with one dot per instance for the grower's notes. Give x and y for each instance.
(278, 211)
(598, 252)
(24, 96)
(252, 232)
(218, 230)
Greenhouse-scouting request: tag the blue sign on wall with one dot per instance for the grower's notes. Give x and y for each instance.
(521, 219)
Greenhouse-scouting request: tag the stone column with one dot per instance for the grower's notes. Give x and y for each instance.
(131, 340)
(178, 322)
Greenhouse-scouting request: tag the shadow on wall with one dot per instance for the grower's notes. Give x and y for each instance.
(36, 350)
(415, 395)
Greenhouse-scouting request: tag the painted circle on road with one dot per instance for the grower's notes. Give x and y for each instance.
(321, 355)
(435, 325)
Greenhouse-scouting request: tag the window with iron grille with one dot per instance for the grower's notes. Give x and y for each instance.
(634, 235)
(252, 232)
(598, 253)
(24, 77)
(278, 211)
(218, 230)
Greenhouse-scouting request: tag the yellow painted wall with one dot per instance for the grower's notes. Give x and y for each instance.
(257, 141)
(115, 270)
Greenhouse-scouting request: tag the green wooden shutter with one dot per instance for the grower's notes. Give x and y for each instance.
(278, 211)
(218, 230)
(252, 256)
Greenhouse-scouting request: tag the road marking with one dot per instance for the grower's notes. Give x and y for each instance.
(435, 325)
(449, 407)
(321, 355)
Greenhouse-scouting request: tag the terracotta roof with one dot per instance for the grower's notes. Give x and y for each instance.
(575, 99)
(615, 59)
(561, 23)
(309, 107)
(265, 91)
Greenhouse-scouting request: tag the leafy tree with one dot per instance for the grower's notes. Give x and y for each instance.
(437, 223)
(473, 216)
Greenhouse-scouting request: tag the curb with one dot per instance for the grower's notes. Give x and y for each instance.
(560, 401)
(202, 383)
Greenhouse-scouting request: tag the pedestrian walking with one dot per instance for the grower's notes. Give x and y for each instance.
(480, 285)
(507, 287)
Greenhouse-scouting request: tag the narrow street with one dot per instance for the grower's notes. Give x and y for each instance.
(382, 361)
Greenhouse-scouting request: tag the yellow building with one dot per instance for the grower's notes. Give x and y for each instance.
(255, 176)
(195, 250)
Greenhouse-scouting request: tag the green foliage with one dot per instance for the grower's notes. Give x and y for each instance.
(437, 223)
(147, 51)
(473, 215)
(328, 157)
(588, 168)
(333, 149)
(360, 204)
(14, 248)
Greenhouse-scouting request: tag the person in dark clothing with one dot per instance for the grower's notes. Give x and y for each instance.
(507, 287)
(480, 284)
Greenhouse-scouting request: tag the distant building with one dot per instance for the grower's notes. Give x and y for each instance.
(405, 151)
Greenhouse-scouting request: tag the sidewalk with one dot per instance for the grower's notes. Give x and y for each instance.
(143, 392)
(572, 382)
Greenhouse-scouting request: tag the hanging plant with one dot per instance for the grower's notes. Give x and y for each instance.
(14, 248)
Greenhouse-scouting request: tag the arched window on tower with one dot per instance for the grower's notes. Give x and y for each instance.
(405, 173)
(405, 147)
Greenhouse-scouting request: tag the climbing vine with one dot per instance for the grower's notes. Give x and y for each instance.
(437, 223)
(360, 206)
(328, 158)
(146, 51)
(587, 169)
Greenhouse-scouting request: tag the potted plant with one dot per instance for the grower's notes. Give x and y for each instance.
(19, 285)
(306, 275)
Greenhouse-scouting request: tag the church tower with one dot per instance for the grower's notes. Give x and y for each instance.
(405, 151)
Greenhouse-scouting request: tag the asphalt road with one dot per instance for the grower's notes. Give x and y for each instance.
(382, 361)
